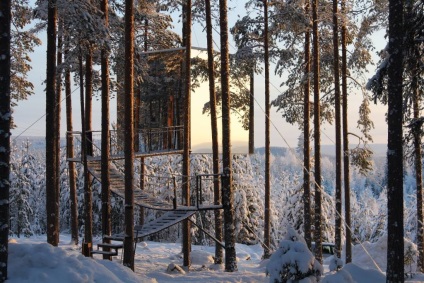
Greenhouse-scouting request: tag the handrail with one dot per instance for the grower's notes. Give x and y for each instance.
(199, 189)
(149, 140)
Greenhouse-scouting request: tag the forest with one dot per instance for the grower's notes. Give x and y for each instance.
(369, 196)
(321, 51)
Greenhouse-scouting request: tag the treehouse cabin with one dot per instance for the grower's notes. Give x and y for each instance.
(158, 104)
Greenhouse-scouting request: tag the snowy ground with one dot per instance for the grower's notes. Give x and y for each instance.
(32, 260)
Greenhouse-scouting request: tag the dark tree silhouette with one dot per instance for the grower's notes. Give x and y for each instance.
(88, 150)
(86, 248)
(187, 133)
(395, 245)
(227, 182)
(129, 135)
(105, 148)
(252, 111)
(306, 138)
(57, 113)
(317, 133)
(338, 226)
(346, 174)
(52, 206)
(214, 129)
(5, 120)
(267, 221)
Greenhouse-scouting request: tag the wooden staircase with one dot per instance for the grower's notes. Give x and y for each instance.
(171, 216)
(117, 186)
(167, 220)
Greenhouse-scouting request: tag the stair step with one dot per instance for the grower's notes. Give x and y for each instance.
(114, 238)
(109, 253)
(110, 246)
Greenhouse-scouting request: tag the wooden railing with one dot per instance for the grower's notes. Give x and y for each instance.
(147, 141)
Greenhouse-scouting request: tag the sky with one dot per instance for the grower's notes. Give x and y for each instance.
(30, 120)
(33, 260)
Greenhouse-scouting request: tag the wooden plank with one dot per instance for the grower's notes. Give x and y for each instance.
(110, 246)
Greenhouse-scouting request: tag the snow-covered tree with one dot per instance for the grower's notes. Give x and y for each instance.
(249, 204)
(23, 42)
(293, 261)
(22, 176)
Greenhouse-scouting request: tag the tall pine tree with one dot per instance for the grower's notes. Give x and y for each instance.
(5, 119)
(52, 206)
(129, 135)
(227, 186)
(395, 271)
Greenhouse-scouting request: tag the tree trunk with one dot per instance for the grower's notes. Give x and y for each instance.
(219, 255)
(88, 220)
(338, 223)
(317, 135)
(395, 244)
(267, 224)
(70, 154)
(120, 103)
(5, 111)
(89, 98)
(252, 112)
(129, 135)
(227, 182)
(418, 172)
(142, 159)
(306, 139)
(137, 105)
(105, 147)
(187, 110)
(88, 141)
(57, 115)
(346, 174)
(51, 149)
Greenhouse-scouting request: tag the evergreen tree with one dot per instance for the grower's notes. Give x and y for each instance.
(306, 137)
(337, 101)
(346, 174)
(227, 186)
(267, 225)
(52, 208)
(317, 135)
(129, 135)
(293, 262)
(187, 125)
(395, 272)
(249, 204)
(214, 132)
(23, 42)
(105, 147)
(5, 122)
(21, 182)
